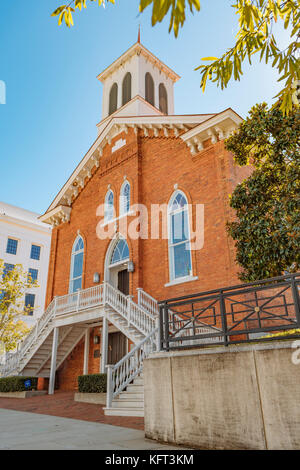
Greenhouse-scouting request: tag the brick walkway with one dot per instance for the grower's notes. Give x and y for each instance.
(62, 404)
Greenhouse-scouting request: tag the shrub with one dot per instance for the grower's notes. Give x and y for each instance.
(17, 384)
(92, 383)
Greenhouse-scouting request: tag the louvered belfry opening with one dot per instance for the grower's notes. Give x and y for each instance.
(113, 98)
(149, 88)
(163, 99)
(126, 89)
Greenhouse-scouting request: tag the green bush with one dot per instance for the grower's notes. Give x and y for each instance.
(17, 384)
(92, 383)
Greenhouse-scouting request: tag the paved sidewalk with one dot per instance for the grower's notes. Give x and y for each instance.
(31, 431)
(62, 404)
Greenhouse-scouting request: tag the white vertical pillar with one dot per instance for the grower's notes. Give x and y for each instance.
(53, 361)
(86, 352)
(104, 345)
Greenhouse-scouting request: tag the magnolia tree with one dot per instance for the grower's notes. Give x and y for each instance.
(255, 35)
(267, 204)
(13, 285)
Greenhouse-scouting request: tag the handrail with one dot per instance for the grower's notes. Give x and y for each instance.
(141, 319)
(224, 290)
(102, 294)
(121, 374)
(15, 358)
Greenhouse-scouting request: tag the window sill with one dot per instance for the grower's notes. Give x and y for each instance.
(181, 280)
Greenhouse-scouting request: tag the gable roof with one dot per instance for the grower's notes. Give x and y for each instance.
(192, 129)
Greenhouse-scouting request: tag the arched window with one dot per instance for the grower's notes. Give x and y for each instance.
(120, 252)
(126, 88)
(149, 88)
(109, 206)
(76, 271)
(113, 99)
(125, 198)
(179, 237)
(163, 99)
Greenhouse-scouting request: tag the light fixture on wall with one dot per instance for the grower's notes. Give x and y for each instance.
(96, 278)
(130, 266)
(96, 339)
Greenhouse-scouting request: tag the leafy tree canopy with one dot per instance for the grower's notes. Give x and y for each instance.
(255, 36)
(267, 204)
(13, 285)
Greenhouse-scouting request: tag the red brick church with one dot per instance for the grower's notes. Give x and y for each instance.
(108, 266)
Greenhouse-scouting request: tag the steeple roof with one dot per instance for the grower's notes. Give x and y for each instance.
(138, 49)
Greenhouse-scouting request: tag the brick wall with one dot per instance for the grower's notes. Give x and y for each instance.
(152, 165)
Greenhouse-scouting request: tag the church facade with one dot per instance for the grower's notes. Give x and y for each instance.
(141, 219)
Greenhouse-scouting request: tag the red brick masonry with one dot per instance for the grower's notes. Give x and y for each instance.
(62, 404)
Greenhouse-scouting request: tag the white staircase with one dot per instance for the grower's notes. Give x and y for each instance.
(129, 402)
(138, 321)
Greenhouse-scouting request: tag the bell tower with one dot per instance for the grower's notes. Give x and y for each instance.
(137, 84)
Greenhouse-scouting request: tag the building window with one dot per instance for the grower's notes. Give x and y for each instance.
(126, 89)
(35, 252)
(179, 237)
(33, 274)
(109, 206)
(120, 252)
(125, 198)
(29, 303)
(76, 265)
(12, 246)
(149, 88)
(163, 99)
(113, 99)
(7, 267)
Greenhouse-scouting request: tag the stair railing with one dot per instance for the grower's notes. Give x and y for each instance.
(135, 315)
(130, 366)
(13, 360)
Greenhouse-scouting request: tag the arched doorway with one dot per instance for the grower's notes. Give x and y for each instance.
(116, 264)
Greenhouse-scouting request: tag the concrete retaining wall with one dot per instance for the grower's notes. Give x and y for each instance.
(24, 394)
(96, 398)
(242, 397)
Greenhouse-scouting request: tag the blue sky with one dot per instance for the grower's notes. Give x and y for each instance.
(53, 99)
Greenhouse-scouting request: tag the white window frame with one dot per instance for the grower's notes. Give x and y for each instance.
(73, 254)
(122, 197)
(173, 279)
(109, 217)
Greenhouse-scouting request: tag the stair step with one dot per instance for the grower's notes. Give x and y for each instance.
(124, 411)
(139, 396)
(138, 381)
(128, 403)
(135, 388)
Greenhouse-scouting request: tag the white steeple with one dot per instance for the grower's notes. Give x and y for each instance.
(137, 84)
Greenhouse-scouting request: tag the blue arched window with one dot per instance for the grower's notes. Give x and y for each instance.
(120, 252)
(109, 206)
(180, 262)
(76, 272)
(125, 198)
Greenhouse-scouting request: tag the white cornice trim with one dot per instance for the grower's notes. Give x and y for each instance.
(216, 128)
(60, 214)
(137, 49)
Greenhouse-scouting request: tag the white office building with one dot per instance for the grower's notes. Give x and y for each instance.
(25, 240)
